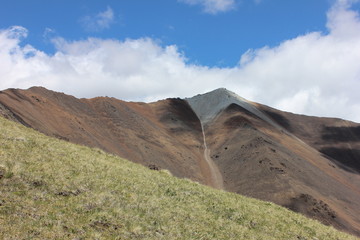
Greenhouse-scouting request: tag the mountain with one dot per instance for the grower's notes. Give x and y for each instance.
(307, 164)
(52, 189)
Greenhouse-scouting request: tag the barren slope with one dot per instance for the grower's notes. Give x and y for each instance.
(166, 134)
(260, 156)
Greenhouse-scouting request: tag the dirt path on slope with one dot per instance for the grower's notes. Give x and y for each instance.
(212, 172)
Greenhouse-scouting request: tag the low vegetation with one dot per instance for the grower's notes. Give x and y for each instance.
(51, 189)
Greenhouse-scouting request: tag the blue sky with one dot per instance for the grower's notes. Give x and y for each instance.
(300, 56)
(212, 39)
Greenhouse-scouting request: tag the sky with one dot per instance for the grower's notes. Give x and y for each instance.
(298, 56)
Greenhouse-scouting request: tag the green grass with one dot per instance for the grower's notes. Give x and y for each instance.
(51, 189)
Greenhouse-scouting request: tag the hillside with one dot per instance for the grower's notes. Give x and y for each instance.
(307, 164)
(51, 189)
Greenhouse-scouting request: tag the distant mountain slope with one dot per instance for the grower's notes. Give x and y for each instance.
(337, 139)
(261, 154)
(158, 134)
(51, 189)
(307, 164)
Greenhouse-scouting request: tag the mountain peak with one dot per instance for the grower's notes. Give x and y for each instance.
(219, 93)
(208, 105)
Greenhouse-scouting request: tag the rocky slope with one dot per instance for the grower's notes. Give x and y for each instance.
(309, 164)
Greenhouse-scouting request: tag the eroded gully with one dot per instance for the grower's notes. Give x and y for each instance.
(215, 178)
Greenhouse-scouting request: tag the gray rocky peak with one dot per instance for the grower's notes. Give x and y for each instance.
(208, 105)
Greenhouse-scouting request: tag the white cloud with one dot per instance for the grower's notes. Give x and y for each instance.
(98, 22)
(212, 6)
(343, 23)
(316, 73)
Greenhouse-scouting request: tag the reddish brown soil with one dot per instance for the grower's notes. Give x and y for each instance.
(285, 166)
(310, 165)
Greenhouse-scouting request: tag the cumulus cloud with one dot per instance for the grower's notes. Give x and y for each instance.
(342, 22)
(98, 22)
(212, 6)
(315, 73)
(137, 69)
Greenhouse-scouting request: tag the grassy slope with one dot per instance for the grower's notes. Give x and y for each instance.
(50, 189)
